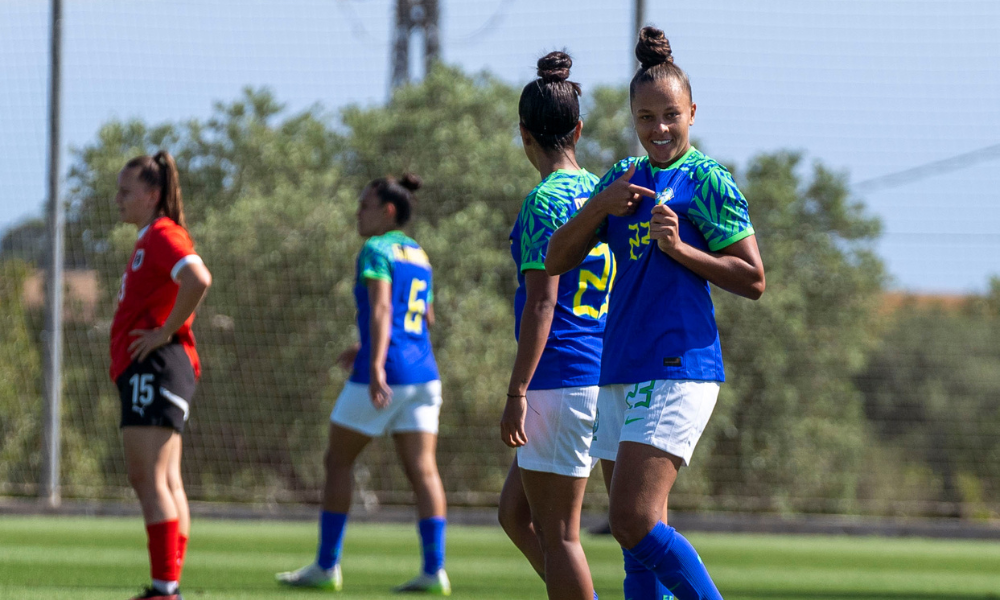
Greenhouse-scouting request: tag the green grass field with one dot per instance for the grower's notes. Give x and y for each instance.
(54, 558)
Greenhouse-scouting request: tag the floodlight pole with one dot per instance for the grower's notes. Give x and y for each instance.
(410, 15)
(50, 489)
(640, 21)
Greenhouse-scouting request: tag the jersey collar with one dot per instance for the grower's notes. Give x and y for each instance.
(674, 164)
(143, 231)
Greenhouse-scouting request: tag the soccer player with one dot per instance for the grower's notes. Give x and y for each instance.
(676, 222)
(153, 357)
(559, 323)
(394, 387)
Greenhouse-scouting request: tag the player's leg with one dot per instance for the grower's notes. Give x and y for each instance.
(343, 448)
(514, 515)
(640, 583)
(147, 459)
(556, 501)
(176, 485)
(417, 451)
(663, 424)
(353, 424)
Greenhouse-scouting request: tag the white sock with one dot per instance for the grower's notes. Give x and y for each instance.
(166, 587)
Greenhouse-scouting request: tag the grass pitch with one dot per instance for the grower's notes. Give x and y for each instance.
(55, 558)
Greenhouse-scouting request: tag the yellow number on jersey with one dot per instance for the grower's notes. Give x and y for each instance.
(601, 284)
(413, 322)
(637, 242)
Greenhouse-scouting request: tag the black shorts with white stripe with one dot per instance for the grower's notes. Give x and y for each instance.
(157, 392)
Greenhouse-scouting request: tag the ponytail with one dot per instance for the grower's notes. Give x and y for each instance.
(160, 171)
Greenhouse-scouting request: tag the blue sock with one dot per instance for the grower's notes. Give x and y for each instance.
(595, 595)
(676, 564)
(641, 583)
(331, 538)
(432, 541)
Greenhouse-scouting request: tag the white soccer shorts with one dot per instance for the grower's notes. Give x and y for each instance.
(414, 407)
(559, 425)
(669, 414)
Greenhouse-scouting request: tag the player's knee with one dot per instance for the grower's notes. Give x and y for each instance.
(628, 525)
(175, 484)
(556, 535)
(336, 462)
(423, 471)
(508, 515)
(141, 479)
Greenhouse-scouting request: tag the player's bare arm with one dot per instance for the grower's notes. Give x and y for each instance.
(380, 297)
(737, 268)
(193, 282)
(571, 243)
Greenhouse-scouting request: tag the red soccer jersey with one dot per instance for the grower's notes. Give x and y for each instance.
(149, 290)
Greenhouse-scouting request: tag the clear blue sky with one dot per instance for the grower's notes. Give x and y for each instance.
(868, 87)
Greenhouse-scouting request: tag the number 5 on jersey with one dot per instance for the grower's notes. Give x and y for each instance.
(413, 322)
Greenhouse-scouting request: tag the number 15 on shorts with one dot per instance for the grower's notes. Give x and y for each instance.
(142, 392)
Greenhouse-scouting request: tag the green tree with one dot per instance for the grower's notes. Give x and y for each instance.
(607, 128)
(20, 386)
(932, 394)
(789, 432)
(271, 199)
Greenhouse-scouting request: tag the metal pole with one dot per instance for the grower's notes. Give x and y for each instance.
(54, 279)
(432, 41)
(400, 61)
(640, 21)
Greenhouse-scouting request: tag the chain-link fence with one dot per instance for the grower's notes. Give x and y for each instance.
(866, 380)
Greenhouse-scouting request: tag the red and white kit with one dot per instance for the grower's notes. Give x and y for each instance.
(149, 290)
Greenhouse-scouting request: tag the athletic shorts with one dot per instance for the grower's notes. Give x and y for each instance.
(413, 407)
(559, 425)
(669, 414)
(157, 392)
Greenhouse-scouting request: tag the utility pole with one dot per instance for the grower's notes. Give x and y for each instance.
(54, 278)
(412, 15)
(640, 21)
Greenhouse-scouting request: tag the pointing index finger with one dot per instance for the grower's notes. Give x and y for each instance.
(642, 191)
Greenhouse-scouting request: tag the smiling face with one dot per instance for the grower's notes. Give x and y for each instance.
(135, 199)
(374, 217)
(662, 112)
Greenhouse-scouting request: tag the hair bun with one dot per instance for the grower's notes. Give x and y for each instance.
(554, 67)
(410, 181)
(653, 48)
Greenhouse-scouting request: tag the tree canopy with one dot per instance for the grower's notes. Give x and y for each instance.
(270, 198)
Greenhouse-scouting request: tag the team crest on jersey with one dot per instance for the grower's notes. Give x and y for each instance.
(137, 261)
(666, 195)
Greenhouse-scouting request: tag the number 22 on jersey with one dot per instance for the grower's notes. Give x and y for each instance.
(600, 283)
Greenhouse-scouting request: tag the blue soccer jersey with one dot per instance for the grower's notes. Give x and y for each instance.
(572, 355)
(661, 321)
(396, 258)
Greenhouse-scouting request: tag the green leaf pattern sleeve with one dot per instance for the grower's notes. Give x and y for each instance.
(542, 213)
(376, 261)
(718, 208)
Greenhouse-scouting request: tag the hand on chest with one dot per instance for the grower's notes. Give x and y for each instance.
(629, 236)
